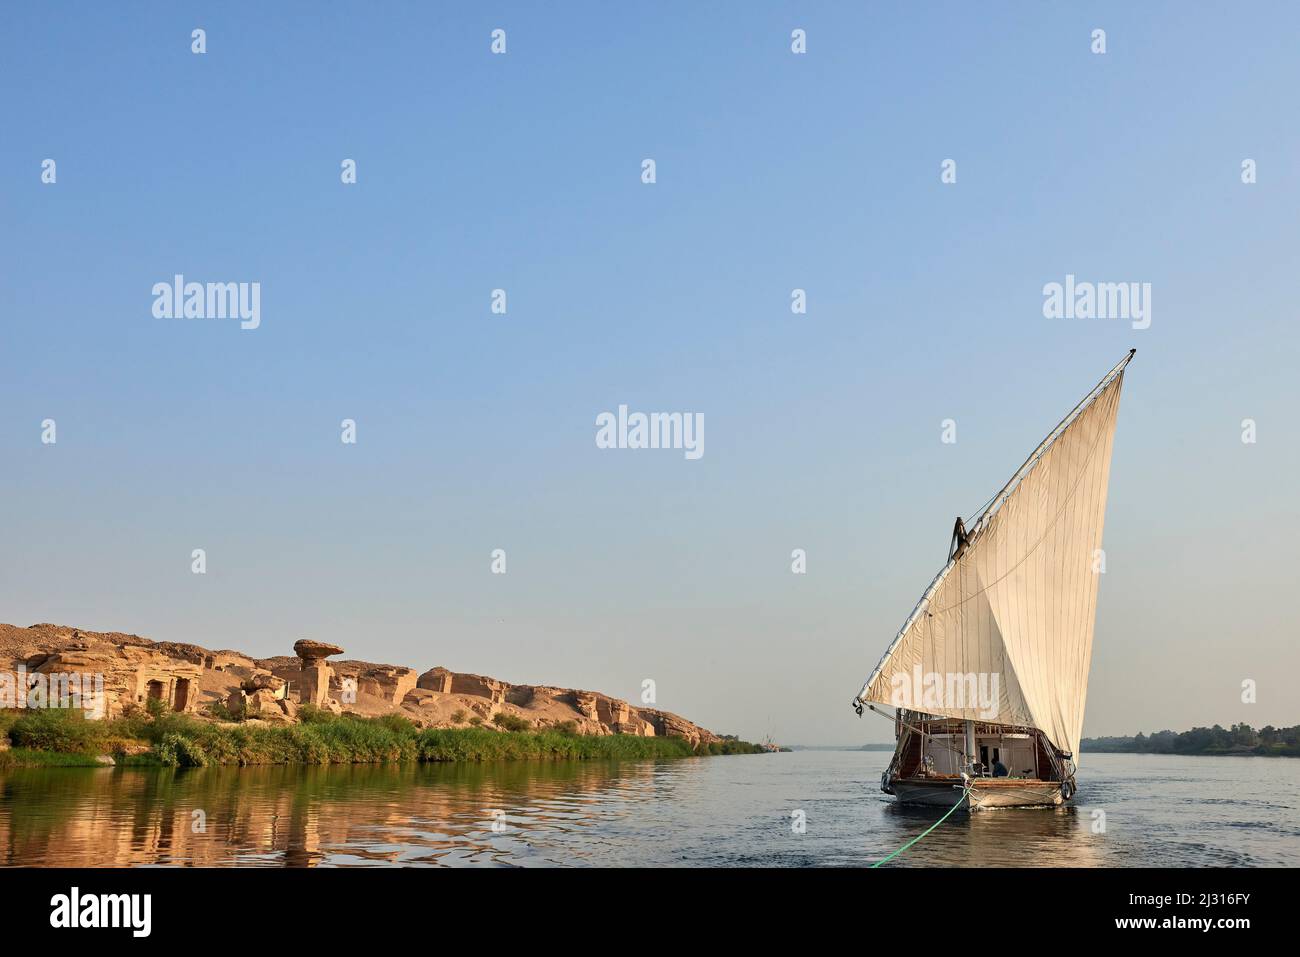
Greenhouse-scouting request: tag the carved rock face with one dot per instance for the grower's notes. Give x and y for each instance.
(309, 650)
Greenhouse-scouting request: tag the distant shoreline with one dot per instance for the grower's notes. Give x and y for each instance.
(1244, 753)
(1241, 740)
(1194, 754)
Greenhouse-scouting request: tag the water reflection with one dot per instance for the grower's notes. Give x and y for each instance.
(301, 817)
(726, 811)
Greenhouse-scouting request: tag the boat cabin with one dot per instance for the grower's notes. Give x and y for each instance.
(930, 747)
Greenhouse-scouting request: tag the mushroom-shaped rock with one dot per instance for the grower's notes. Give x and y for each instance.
(310, 650)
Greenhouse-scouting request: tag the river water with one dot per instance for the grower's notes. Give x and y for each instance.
(720, 811)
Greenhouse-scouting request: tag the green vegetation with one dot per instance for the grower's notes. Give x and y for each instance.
(1240, 739)
(66, 737)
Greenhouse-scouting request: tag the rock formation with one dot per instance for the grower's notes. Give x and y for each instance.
(192, 679)
(314, 682)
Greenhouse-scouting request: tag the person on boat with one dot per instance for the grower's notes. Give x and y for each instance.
(999, 769)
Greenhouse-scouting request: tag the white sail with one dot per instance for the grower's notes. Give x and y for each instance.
(1015, 608)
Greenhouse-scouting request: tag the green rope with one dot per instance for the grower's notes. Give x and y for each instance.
(965, 791)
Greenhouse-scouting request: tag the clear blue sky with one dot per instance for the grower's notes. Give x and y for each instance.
(476, 431)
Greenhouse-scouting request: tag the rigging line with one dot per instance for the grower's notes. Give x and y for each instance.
(1055, 518)
(966, 789)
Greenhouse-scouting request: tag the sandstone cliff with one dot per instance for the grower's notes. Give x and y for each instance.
(193, 679)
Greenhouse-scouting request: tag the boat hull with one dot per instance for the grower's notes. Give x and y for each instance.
(984, 793)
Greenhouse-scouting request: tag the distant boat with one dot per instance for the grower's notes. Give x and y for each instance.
(989, 673)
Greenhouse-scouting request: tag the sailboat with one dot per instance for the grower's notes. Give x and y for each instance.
(989, 673)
